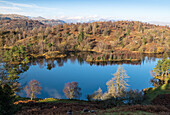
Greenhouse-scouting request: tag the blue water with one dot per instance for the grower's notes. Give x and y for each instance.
(89, 78)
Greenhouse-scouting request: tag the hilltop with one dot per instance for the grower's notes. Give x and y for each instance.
(12, 16)
(50, 22)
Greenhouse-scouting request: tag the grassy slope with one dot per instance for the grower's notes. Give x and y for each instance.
(152, 93)
(63, 100)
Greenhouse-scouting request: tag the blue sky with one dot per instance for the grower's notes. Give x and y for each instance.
(141, 10)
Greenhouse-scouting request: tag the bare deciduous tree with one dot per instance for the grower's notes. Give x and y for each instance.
(72, 90)
(33, 89)
(119, 83)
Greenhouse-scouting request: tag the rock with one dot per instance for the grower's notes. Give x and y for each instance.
(70, 112)
(85, 110)
(92, 111)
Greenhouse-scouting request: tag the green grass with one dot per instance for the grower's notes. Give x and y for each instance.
(153, 92)
(62, 100)
(49, 100)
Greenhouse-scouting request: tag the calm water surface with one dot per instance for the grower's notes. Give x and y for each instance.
(89, 77)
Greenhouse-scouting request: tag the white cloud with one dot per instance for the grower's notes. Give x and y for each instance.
(25, 5)
(17, 4)
(9, 8)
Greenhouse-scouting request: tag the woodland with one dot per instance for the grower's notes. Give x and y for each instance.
(108, 41)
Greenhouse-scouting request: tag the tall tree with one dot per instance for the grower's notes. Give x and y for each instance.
(119, 83)
(162, 70)
(33, 89)
(72, 90)
(94, 29)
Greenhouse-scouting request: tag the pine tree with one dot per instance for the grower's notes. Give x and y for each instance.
(162, 70)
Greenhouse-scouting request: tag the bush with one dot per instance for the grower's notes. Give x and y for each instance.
(133, 97)
(112, 102)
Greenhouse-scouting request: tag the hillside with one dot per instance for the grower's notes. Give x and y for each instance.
(20, 23)
(77, 107)
(111, 40)
(153, 92)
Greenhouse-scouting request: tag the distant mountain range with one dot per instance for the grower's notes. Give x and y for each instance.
(160, 23)
(86, 20)
(51, 22)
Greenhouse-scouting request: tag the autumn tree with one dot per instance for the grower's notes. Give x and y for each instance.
(118, 83)
(81, 37)
(106, 32)
(96, 95)
(33, 89)
(80, 29)
(94, 29)
(87, 29)
(72, 90)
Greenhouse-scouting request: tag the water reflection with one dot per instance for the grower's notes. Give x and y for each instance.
(51, 63)
(74, 67)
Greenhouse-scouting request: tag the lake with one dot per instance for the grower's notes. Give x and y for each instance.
(53, 74)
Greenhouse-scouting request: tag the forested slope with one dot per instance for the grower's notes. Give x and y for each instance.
(121, 37)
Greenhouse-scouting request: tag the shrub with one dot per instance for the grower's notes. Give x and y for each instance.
(133, 97)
